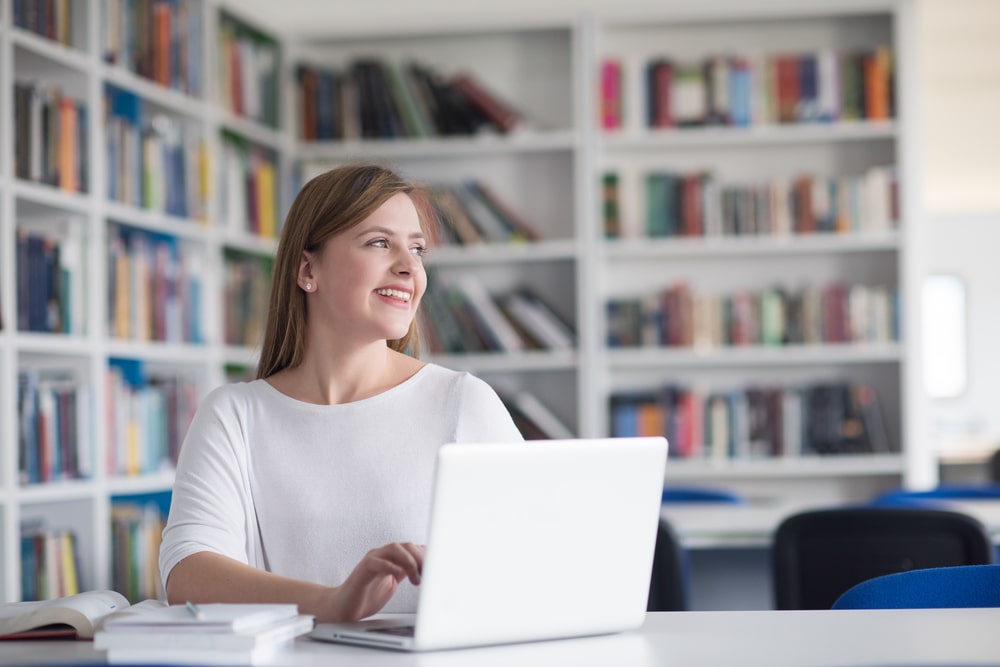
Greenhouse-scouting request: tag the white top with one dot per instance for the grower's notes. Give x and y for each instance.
(305, 490)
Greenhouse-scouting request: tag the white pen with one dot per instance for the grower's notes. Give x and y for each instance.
(195, 610)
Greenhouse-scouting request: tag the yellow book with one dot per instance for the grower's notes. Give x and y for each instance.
(70, 575)
(132, 448)
(265, 199)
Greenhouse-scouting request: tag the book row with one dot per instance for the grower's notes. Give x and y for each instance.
(378, 99)
(471, 212)
(50, 143)
(248, 71)
(834, 313)
(49, 563)
(249, 187)
(743, 90)
(135, 546)
(756, 422)
(247, 288)
(153, 160)
(462, 316)
(154, 287)
(50, 279)
(699, 205)
(147, 417)
(54, 427)
(49, 18)
(159, 40)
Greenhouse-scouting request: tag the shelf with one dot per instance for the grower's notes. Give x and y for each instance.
(763, 135)
(492, 144)
(248, 129)
(790, 467)
(51, 343)
(165, 98)
(751, 246)
(49, 195)
(548, 360)
(163, 352)
(502, 253)
(77, 489)
(132, 216)
(149, 483)
(65, 56)
(755, 355)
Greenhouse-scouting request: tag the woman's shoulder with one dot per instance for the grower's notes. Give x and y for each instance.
(232, 395)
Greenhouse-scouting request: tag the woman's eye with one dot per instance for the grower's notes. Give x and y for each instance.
(419, 250)
(379, 243)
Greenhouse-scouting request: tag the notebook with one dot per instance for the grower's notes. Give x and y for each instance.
(531, 541)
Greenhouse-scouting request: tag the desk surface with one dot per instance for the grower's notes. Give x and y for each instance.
(751, 525)
(845, 638)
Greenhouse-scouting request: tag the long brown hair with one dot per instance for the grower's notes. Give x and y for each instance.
(327, 205)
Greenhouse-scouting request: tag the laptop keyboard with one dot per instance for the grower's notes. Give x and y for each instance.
(401, 630)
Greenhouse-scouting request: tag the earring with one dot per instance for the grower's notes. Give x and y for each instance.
(309, 287)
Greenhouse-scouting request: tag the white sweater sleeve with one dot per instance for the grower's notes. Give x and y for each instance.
(482, 416)
(211, 507)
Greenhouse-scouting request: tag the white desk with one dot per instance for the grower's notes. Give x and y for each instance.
(724, 638)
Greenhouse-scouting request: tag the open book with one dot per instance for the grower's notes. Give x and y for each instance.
(79, 615)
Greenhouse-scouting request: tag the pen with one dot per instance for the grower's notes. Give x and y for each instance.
(195, 610)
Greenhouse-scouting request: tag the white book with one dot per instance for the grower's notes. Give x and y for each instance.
(544, 418)
(164, 642)
(206, 618)
(539, 321)
(491, 314)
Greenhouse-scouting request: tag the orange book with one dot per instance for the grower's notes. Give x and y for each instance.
(68, 141)
(652, 418)
(877, 77)
(161, 44)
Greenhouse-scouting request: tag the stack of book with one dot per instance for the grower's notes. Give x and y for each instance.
(217, 634)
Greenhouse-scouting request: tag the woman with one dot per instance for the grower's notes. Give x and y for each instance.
(312, 483)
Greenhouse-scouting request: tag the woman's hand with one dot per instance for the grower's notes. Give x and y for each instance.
(374, 580)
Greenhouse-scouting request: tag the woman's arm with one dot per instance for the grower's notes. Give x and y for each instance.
(211, 577)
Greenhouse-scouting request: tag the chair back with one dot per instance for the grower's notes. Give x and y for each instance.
(668, 582)
(818, 555)
(930, 588)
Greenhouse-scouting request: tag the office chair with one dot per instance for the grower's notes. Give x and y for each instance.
(699, 494)
(819, 554)
(929, 588)
(668, 582)
(905, 498)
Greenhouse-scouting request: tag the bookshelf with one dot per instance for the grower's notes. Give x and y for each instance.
(117, 240)
(700, 289)
(216, 119)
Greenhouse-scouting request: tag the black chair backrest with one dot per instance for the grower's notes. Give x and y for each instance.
(817, 555)
(668, 584)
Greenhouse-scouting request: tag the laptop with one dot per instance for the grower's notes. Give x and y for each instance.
(530, 541)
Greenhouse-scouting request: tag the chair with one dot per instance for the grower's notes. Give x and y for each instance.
(817, 555)
(929, 588)
(906, 498)
(699, 494)
(668, 582)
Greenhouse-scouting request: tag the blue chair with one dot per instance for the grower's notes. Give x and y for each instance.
(930, 588)
(698, 494)
(906, 498)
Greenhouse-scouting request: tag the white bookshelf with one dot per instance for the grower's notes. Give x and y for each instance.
(84, 505)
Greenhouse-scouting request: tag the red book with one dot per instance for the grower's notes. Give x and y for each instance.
(611, 94)
(787, 71)
(501, 114)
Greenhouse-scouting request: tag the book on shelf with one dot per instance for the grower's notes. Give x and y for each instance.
(535, 420)
(504, 116)
(80, 615)
(538, 320)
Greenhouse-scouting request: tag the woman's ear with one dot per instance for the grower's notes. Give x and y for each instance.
(305, 277)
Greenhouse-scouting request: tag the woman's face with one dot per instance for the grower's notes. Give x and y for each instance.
(368, 280)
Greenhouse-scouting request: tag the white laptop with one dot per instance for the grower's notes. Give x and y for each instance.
(530, 541)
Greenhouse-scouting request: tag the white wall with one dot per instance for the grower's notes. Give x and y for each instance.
(959, 102)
